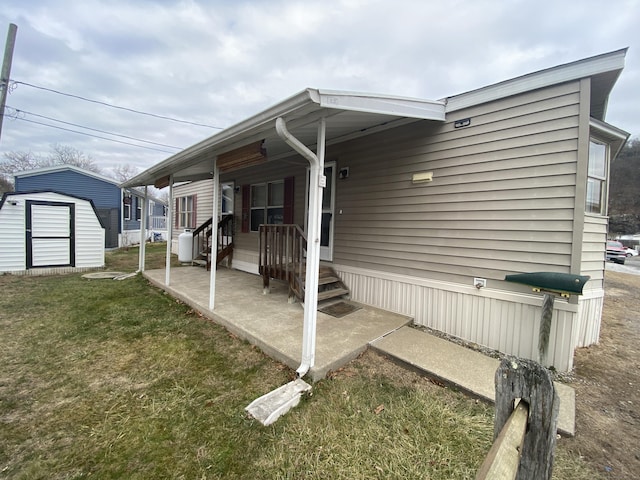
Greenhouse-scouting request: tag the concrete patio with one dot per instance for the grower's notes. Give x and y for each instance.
(275, 326)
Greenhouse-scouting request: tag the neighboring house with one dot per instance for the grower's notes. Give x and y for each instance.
(119, 209)
(48, 232)
(423, 202)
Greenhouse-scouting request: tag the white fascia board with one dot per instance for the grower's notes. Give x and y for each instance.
(563, 73)
(608, 130)
(382, 104)
(292, 103)
(616, 136)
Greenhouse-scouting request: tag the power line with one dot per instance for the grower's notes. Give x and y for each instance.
(94, 136)
(18, 111)
(114, 106)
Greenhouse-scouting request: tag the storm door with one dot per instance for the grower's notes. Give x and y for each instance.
(328, 207)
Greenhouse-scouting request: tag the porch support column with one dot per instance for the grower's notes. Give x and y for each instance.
(143, 230)
(169, 220)
(214, 234)
(317, 182)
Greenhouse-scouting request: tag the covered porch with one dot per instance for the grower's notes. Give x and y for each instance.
(271, 323)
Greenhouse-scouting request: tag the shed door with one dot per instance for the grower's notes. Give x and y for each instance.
(50, 234)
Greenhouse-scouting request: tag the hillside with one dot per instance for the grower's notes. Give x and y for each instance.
(624, 191)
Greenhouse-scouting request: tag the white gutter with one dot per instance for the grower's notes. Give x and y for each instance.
(317, 183)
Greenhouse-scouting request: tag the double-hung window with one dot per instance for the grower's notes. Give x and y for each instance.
(127, 208)
(185, 212)
(597, 178)
(267, 204)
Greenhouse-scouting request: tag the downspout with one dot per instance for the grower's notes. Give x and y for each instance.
(317, 183)
(214, 235)
(167, 278)
(143, 230)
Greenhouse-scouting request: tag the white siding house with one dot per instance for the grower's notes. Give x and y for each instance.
(49, 233)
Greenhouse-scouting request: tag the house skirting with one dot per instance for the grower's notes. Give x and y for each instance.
(505, 321)
(508, 322)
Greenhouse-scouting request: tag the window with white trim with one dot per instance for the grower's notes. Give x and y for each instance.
(185, 212)
(127, 208)
(597, 177)
(267, 204)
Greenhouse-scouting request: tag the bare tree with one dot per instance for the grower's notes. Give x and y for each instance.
(66, 155)
(122, 173)
(14, 162)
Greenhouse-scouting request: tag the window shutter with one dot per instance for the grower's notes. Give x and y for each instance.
(176, 213)
(246, 207)
(288, 199)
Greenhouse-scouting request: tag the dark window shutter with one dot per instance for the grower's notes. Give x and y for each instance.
(246, 207)
(194, 219)
(288, 199)
(176, 213)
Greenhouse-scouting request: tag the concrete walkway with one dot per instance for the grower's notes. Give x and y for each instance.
(463, 368)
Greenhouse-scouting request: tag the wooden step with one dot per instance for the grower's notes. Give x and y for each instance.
(336, 292)
(328, 280)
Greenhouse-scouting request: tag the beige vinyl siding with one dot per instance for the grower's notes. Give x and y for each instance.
(501, 200)
(204, 202)
(593, 250)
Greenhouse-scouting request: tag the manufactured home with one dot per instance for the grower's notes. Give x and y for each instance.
(423, 207)
(49, 232)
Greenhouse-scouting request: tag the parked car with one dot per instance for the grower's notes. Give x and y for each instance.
(616, 252)
(631, 252)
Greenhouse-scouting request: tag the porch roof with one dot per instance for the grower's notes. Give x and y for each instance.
(349, 115)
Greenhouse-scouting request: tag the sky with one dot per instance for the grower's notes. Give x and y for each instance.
(217, 62)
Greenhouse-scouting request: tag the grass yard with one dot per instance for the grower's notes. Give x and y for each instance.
(114, 379)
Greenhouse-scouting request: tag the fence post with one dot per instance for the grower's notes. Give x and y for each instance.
(529, 381)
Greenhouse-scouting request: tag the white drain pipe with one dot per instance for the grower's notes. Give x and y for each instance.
(317, 183)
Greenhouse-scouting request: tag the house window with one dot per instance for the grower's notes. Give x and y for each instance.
(596, 178)
(138, 208)
(267, 204)
(185, 213)
(127, 208)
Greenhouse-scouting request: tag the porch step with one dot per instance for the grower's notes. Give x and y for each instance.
(332, 293)
(327, 280)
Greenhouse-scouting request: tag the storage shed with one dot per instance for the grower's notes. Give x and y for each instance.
(49, 232)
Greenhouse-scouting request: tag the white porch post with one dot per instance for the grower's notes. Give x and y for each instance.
(214, 235)
(317, 182)
(167, 278)
(143, 231)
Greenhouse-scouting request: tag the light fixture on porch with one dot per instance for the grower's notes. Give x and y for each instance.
(242, 157)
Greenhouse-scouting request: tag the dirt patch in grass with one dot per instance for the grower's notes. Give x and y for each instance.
(607, 384)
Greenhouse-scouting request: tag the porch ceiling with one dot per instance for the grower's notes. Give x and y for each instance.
(349, 115)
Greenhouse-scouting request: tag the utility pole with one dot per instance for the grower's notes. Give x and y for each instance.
(6, 70)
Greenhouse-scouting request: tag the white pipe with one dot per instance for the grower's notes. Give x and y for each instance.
(143, 230)
(169, 220)
(214, 236)
(317, 183)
